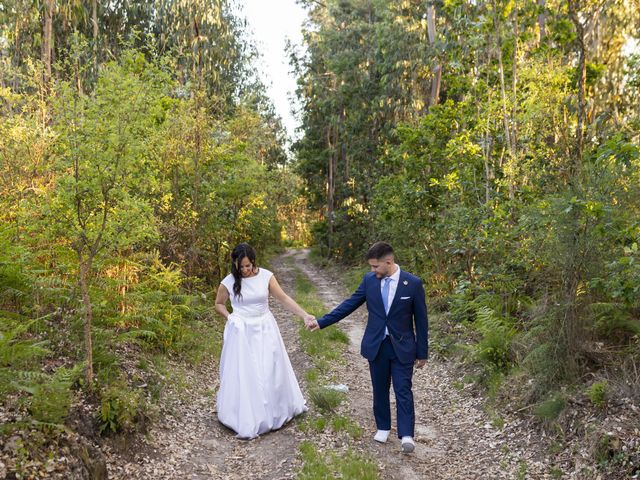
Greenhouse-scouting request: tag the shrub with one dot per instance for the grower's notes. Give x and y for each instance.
(121, 409)
(494, 349)
(52, 398)
(597, 393)
(550, 409)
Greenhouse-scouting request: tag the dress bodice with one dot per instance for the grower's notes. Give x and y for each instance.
(254, 299)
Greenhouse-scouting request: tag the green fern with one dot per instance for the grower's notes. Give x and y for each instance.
(494, 348)
(614, 321)
(15, 351)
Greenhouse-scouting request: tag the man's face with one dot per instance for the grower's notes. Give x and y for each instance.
(382, 267)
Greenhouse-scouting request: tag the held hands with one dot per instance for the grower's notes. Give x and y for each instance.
(310, 322)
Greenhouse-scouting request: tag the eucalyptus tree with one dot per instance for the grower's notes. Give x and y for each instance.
(368, 68)
(208, 39)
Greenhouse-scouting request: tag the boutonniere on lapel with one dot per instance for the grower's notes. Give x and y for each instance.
(405, 282)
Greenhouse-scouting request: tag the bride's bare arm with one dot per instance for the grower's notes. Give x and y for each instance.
(276, 290)
(221, 301)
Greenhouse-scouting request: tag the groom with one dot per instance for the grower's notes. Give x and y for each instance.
(395, 338)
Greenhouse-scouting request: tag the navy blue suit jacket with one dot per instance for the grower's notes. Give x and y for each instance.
(407, 319)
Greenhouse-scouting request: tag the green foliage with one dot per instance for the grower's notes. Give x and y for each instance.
(326, 399)
(615, 322)
(148, 303)
(608, 454)
(354, 466)
(102, 143)
(121, 409)
(110, 178)
(51, 399)
(341, 423)
(520, 225)
(489, 314)
(315, 468)
(140, 161)
(315, 424)
(494, 347)
(348, 465)
(550, 409)
(353, 277)
(19, 357)
(15, 351)
(337, 336)
(597, 393)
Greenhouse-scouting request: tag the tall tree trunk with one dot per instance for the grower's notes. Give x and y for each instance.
(47, 44)
(542, 21)
(85, 270)
(503, 93)
(195, 192)
(344, 158)
(576, 234)
(197, 51)
(514, 84)
(574, 12)
(17, 56)
(505, 112)
(331, 188)
(434, 96)
(94, 20)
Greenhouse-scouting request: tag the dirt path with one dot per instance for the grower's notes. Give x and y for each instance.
(455, 439)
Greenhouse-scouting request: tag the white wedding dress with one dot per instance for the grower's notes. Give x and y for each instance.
(258, 388)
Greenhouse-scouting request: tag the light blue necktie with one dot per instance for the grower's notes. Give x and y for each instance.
(385, 294)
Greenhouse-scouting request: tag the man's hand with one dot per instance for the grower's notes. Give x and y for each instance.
(311, 323)
(420, 362)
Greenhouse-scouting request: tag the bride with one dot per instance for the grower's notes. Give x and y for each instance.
(258, 388)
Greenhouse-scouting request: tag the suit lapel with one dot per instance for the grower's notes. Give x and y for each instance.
(379, 294)
(398, 294)
(376, 295)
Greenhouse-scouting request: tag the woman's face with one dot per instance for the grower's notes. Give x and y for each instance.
(246, 267)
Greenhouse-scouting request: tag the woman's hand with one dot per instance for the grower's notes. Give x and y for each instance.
(310, 322)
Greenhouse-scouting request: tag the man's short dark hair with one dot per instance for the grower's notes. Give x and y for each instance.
(379, 250)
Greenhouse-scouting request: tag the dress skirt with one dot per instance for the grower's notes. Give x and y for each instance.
(258, 391)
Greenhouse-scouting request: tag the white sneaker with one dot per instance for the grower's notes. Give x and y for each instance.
(408, 445)
(382, 436)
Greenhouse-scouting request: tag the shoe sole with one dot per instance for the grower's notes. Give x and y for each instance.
(408, 448)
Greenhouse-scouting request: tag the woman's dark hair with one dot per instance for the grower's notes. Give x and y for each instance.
(241, 251)
(379, 250)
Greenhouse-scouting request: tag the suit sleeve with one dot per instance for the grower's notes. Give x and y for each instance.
(422, 324)
(345, 308)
